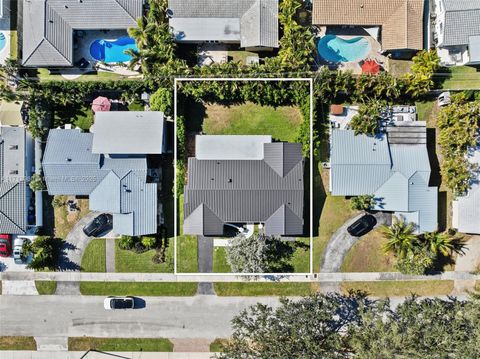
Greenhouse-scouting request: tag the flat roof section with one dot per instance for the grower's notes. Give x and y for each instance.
(230, 147)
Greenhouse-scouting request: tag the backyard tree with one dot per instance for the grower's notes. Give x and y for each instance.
(367, 120)
(363, 202)
(36, 183)
(401, 237)
(258, 254)
(162, 100)
(420, 79)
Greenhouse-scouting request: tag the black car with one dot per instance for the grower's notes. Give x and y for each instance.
(362, 226)
(119, 303)
(99, 225)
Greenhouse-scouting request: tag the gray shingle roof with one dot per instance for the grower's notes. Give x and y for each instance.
(115, 184)
(48, 26)
(239, 191)
(220, 20)
(396, 174)
(13, 215)
(462, 20)
(128, 132)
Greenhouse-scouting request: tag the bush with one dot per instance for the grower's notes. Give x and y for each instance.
(362, 203)
(36, 183)
(149, 242)
(367, 120)
(162, 100)
(126, 242)
(58, 201)
(45, 253)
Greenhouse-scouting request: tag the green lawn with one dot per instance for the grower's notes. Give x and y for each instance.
(13, 44)
(216, 345)
(44, 75)
(136, 106)
(281, 123)
(120, 344)
(460, 77)
(139, 288)
(239, 289)
(425, 110)
(367, 255)
(46, 287)
(240, 56)
(186, 246)
(17, 343)
(220, 264)
(399, 67)
(400, 289)
(336, 210)
(93, 259)
(129, 261)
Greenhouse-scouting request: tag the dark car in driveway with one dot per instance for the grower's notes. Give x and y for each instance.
(119, 303)
(99, 225)
(362, 225)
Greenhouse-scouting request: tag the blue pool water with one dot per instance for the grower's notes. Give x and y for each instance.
(112, 51)
(3, 41)
(335, 49)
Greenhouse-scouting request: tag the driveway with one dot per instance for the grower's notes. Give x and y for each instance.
(205, 263)
(75, 244)
(342, 241)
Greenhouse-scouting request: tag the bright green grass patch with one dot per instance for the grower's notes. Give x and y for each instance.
(187, 261)
(46, 287)
(120, 344)
(127, 261)
(17, 343)
(45, 75)
(217, 345)
(220, 263)
(281, 123)
(239, 289)
(401, 288)
(13, 45)
(136, 106)
(424, 109)
(241, 56)
(156, 289)
(93, 259)
(461, 77)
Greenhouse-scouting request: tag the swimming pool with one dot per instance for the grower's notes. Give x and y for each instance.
(112, 51)
(3, 41)
(335, 49)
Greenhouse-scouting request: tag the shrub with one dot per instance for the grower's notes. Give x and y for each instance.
(149, 242)
(362, 203)
(126, 242)
(36, 183)
(367, 120)
(45, 253)
(162, 100)
(58, 201)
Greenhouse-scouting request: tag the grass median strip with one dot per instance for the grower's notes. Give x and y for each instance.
(139, 288)
(401, 288)
(217, 345)
(265, 289)
(46, 287)
(120, 344)
(17, 343)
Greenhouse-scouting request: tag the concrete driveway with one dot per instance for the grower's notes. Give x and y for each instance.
(342, 241)
(75, 244)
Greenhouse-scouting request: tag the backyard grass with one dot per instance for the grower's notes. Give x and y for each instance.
(400, 289)
(425, 111)
(459, 77)
(120, 344)
(367, 255)
(64, 221)
(13, 44)
(240, 289)
(45, 75)
(79, 116)
(128, 261)
(216, 345)
(17, 343)
(180, 289)
(136, 106)
(186, 246)
(93, 259)
(46, 287)
(240, 56)
(281, 123)
(399, 67)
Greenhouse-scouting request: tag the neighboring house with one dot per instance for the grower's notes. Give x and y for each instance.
(393, 166)
(110, 166)
(48, 26)
(15, 195)
(466, 209)
(244, 180)
(251, 23)
(457, 31)
(397, 23)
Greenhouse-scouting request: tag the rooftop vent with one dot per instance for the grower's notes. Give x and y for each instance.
(69, 159)
(13, 147)
(14, 172)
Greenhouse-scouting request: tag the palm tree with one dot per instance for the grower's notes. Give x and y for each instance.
(400, 236)
(443, 243)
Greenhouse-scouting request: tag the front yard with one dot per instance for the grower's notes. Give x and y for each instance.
(120, 344)
(65, 220)
(172, 289)
(459, 77)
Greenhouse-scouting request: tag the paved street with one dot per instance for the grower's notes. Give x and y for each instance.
(61, 316)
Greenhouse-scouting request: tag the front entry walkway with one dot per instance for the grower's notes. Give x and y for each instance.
(110, 254)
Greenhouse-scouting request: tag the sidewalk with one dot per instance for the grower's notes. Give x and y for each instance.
(18, 354)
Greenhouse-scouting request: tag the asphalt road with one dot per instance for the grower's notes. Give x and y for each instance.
(205, 317)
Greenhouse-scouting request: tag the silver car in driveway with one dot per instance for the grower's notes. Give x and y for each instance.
(111, 303)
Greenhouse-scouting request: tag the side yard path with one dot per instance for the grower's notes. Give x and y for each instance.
(469, 262)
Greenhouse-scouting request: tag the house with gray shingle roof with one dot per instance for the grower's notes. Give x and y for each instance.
(393, 166)
(457, 31)
(466, 208)
(251, 23)
(115, 182)
(14, 191)
(48, 26)
(254, 180)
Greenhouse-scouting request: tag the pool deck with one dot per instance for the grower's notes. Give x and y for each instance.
(5, 28)
(347, 34)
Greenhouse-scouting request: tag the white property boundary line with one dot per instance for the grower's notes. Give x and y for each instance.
(231, 79)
